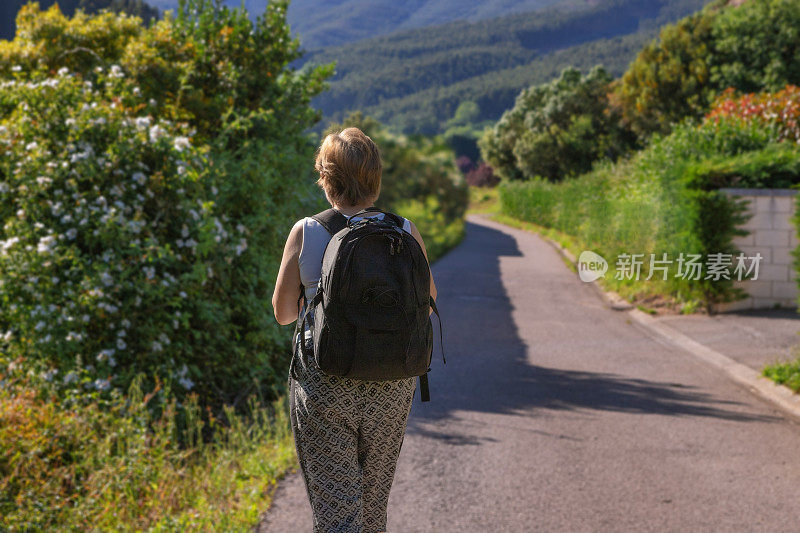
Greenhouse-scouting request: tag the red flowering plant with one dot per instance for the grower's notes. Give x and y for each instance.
(778, 111)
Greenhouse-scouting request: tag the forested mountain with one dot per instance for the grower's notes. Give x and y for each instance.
(321, 23)
(414, 80)
(9, 9)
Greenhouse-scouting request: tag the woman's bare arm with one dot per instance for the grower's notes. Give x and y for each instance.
(416, 234)
(288, 284)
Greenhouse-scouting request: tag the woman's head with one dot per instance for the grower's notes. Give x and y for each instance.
(349, 166)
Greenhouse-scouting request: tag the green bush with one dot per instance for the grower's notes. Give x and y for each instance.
(145, 204)
(556, 130)
(439, 233)
(664, 199)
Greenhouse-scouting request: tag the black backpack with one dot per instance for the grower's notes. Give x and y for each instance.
(370, 318)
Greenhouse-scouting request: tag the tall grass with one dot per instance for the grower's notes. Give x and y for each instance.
(91, 465)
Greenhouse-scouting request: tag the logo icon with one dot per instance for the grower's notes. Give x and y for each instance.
(591, 266)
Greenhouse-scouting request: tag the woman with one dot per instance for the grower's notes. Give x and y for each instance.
(347, 432)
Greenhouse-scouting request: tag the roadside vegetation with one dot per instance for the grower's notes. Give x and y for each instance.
(658, 150)
(786, 373)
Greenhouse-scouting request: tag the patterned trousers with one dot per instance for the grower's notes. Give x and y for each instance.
(348, 435)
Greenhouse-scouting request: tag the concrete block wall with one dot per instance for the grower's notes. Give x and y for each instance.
(773, 235)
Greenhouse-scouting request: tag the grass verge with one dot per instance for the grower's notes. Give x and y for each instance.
(98, 465)
(649, 296)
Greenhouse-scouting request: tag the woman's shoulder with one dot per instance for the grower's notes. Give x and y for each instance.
(407, 224)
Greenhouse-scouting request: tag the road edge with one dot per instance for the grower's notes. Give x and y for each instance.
(779, 395)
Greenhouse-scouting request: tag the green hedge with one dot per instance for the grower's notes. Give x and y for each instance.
(664, 199)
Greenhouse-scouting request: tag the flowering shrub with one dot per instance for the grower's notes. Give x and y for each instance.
(779, 111)
(109, 235)
(145, 196)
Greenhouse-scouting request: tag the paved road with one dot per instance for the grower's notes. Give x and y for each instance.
(555, 413)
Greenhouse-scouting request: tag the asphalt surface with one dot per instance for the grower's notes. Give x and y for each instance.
(754, 337)
(555, 413)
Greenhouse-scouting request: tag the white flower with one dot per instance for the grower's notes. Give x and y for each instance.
(139, 178)
(142, 122)
(156, 132)
(45, 245)
(48, 376)
(70, 377)
(156, 346)
(40, 325)
(185, 382)
(182, 294)
(121, 344)
(72, 233)
(44, 180)
(105, 354)
(106, 278)
(181, 143)
(70, 122)
(63, 71)
(101, 384)
(7, 335)
(116, 72)
(241, 247)
(7, 244)
(31, 146)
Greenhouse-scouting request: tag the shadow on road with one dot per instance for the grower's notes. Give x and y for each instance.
(489, 368)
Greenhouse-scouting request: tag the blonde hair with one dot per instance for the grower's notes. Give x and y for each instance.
(349, 166)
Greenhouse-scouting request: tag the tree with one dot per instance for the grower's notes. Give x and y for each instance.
(669, 79)
(557, 129)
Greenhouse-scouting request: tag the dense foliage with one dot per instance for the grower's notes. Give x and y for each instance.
(138, 8)
(666, 198)
(556, 130)
(147, 188)
(750, 47)
(415, 80)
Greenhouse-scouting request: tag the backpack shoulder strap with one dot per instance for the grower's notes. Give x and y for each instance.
(332, 220)
(397, 219)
